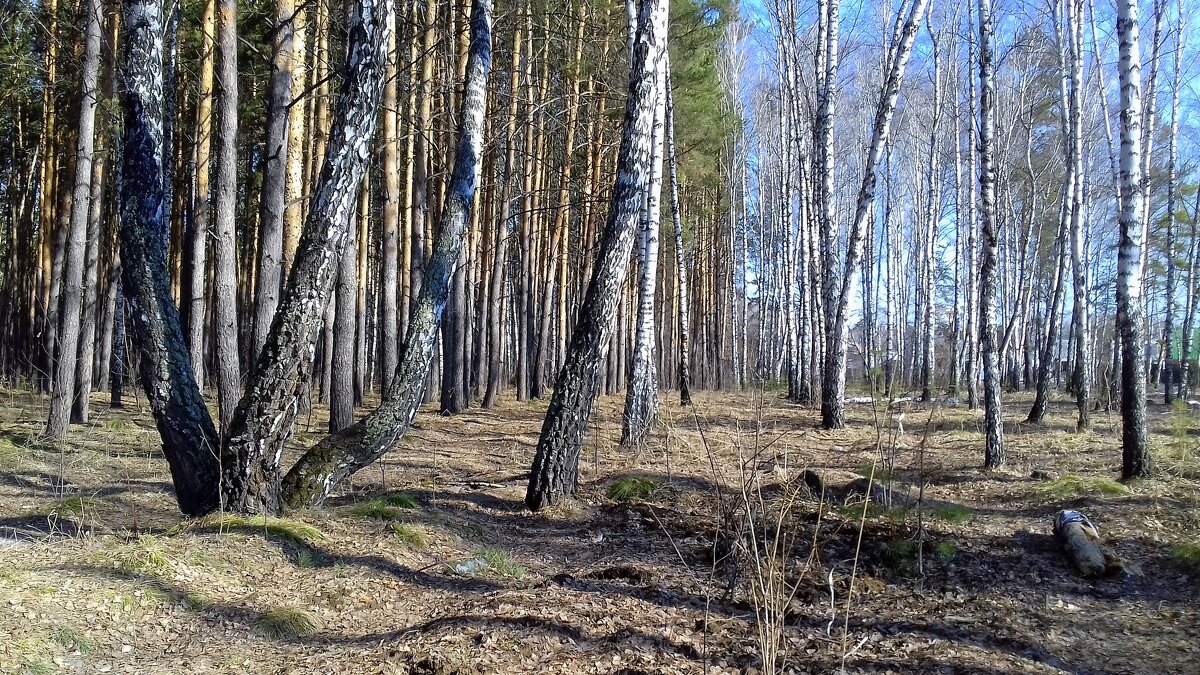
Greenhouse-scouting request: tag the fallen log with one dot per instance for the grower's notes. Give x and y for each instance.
(1081, 541)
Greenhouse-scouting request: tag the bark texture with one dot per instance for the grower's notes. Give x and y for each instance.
(339, 455)
(188, 435)
(555, 470)
(265, 416)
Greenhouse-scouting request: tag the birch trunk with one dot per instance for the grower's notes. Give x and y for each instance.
(265, 416)
(1135, 450)
(189, 438)
(322, 468)
(641, 399)
(834, 381)
(555, 468)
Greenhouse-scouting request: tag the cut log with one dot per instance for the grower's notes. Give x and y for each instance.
(1081, 541)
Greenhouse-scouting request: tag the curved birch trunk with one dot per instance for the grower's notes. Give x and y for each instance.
(555, 470)
(188, 435)
(324, 466)
(264, 417)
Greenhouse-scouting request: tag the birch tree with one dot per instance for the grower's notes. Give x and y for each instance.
(1135, 449)
(324, 466)
(555, 468)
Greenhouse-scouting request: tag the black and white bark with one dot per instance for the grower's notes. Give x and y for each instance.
(188, 435)
(993, 455)
(339, 455)
(62, 393)
(834, 380)
(555, 470)
(641, 396)
(264, 418)
(1135, 448)
(1081, 381)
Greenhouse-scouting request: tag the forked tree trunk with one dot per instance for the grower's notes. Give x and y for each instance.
(63, 392)
(323, 467)
(264, 418)
(1135, 449)
(188, 435)
(555, 470)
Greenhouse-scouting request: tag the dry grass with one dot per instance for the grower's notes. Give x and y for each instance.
(624, 580)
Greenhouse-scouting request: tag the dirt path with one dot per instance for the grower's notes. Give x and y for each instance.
(430, 564)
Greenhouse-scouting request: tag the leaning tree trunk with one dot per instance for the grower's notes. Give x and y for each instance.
(264, 418)
(641, 397)
(63, 391)
(555, 468)
(1135, 449)
(834, 378)
(324, 466)
(188, 435)
(685, 368)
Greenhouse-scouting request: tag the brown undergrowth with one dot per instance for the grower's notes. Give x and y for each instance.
(428, 562)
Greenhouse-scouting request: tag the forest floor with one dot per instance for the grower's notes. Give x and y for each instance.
(429, 562)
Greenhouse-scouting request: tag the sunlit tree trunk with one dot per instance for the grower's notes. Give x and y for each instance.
(225, 317)
(834, 382)
(556, 465)
(188, 435)
(324, 466)
(265, 416)
(993, 423)
(63, 391)
(1135, 449)
(641, 399)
